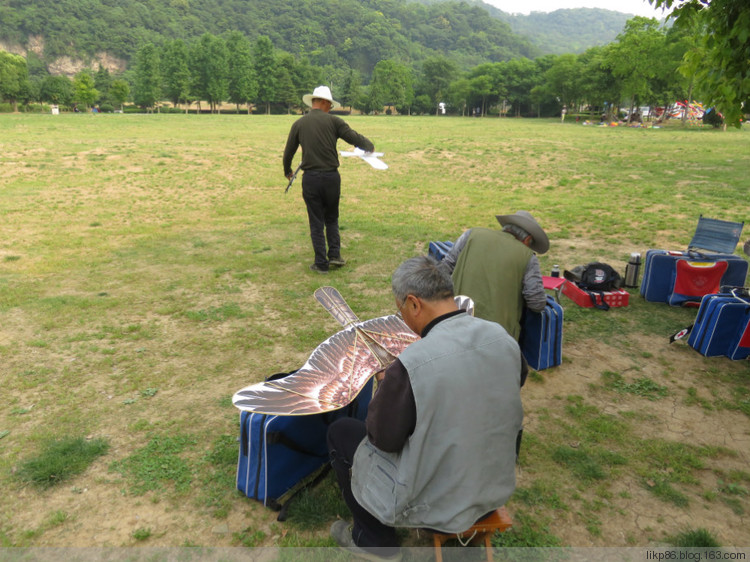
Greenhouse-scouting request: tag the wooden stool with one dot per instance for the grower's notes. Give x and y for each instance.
(499, 521)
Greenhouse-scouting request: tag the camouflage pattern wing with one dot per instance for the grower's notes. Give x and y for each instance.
(336, 371)
(330, 379)
(334, 303)
(388, 336)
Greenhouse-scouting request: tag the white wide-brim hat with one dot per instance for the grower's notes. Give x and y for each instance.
(321, 92)
(523, 219)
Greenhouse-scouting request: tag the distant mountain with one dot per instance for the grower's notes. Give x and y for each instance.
(566, 31)
(335, 33)
(562, 31)
(66, 35)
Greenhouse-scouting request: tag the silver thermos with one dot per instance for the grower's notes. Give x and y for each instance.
(632, 270)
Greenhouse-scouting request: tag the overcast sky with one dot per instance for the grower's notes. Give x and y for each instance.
(636, 7)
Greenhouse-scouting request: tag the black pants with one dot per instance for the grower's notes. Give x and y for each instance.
(344, 436)
(321, 192)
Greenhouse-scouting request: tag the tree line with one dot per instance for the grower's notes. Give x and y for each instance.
(648, 64)
(639, 68)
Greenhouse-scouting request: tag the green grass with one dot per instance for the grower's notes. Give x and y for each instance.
(695, 538)
(150, 266)
(641, 386)
(158, 464)
(60, 460)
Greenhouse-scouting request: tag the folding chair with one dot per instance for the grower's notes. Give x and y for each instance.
(714, 242)
(716, 235)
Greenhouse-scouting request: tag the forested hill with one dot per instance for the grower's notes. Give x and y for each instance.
(562, 31)
(568, 31)
(355, 33)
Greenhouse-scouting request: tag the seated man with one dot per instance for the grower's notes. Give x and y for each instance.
(499, 270)
(438, 447)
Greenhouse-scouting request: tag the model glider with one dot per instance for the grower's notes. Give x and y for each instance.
(372, 158)
(339, 367)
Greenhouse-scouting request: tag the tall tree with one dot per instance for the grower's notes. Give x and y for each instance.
(119, 91)
(57, 90)
(562, 79)
(175, 71)
(459, 93)
(102, 81)
(242, 86)
(723, 74)
(481, 88)
(600, 87)
(306, 77)
(634, 58)
(520, 76)
(391, 85)
(351, 91)
(14, 76)
(210, 70)
(670, 83)
(265, 64)
(84, 90)
(147, 83)
(437, 74)
(286, 92)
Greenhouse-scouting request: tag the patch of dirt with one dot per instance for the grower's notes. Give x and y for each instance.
(633, 515)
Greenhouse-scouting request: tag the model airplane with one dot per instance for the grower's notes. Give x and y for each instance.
(372, 158)
(339, 367)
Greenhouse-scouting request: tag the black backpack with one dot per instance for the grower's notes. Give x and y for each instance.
(595, 278)
(598, 276)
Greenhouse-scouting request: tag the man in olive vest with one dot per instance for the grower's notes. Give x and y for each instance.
(499, 269)
(438, 447)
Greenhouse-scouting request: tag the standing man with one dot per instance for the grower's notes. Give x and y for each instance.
(317, 133)
(499, 270)
(438, 447)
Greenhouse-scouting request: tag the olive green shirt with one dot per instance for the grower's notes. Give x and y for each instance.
(317, 133)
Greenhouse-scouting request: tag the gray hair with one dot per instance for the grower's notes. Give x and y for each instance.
(423, 278)
(516, 231)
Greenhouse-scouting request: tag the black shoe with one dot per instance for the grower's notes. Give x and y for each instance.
(315, 267)
(338, 262)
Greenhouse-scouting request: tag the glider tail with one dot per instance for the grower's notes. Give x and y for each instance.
(334, 303)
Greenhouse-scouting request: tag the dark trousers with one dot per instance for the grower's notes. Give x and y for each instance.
(321, 192)
(344, 435)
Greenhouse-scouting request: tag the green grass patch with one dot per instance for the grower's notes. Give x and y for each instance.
(694, 538)
(158, 464)
(663, 489)
(584, 465)
(142, 533)
(641, 386)
(61, 460)
(319, 505)
(217, 477)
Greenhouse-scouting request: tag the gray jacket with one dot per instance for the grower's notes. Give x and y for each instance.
(459, 462)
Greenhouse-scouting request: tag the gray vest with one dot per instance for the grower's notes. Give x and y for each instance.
(460, 461)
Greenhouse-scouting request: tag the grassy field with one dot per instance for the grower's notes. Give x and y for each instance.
(151, 265)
